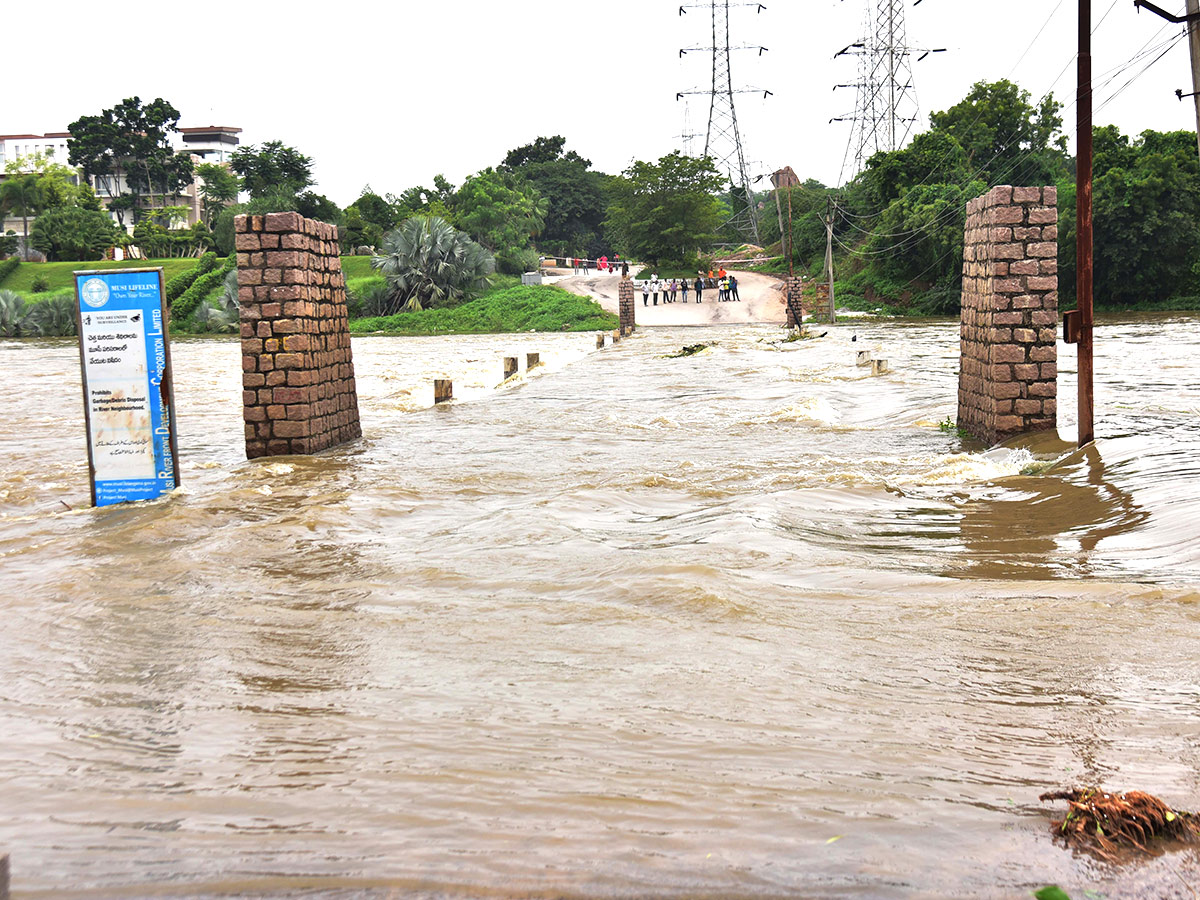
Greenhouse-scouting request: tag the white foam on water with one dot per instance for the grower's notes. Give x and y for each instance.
(810, 409)
(971, 467)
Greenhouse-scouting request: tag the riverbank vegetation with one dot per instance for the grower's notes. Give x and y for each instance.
(897, 227)
(510, 309)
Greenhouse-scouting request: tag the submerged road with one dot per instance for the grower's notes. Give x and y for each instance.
(745, 624)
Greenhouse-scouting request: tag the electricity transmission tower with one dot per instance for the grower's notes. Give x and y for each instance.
(688, 136)
(722, 138)
(885, 106)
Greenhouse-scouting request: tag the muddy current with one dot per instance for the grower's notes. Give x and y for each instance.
(743, 624)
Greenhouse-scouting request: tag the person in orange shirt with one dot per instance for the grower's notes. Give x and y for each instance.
(722, 273)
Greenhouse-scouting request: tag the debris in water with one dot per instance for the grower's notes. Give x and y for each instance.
(1103, 823)
(689, 350)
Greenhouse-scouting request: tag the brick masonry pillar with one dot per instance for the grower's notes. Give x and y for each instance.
(1008, 375)
(793, 295)
(626, 306)
(298, 385)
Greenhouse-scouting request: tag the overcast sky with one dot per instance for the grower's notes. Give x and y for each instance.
(390, 94)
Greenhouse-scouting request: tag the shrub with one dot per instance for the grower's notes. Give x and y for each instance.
(52, 317)
(222, 318)
(428, 263)
(182, 282)
(187, 302)
(514, 262)
(12, 312)
(368, 296)
(7, 267)
(39, 285)
(72, 233)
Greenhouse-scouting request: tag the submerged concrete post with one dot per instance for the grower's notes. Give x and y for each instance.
(600, 341)
(1008, 375)
(510, 366)
(443, 390)
(625, 306)
(532, 360)
(299, 394)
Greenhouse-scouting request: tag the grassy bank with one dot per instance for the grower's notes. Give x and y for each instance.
(506, 311)
(57, 275)
(357, 267)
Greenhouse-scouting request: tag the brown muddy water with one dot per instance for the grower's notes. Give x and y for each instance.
(745, 624)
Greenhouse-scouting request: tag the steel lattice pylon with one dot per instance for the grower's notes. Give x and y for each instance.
(885, 107)
(722, 137)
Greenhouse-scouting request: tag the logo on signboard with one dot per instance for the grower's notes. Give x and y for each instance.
(94, 292)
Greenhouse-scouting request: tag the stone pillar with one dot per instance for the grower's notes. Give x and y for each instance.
(1008, 376)
(297, 373)
(793, 299)
(625, 306)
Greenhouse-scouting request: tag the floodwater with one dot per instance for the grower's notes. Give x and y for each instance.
(744, 624)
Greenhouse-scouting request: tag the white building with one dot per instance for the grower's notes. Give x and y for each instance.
(211, 143)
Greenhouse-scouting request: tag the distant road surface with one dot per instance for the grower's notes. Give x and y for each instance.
(762, 301)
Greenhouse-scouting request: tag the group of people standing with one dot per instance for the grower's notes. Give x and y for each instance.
(725, 284)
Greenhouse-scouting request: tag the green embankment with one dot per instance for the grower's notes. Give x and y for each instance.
(58, 274)
(357, 267)
(511, 310)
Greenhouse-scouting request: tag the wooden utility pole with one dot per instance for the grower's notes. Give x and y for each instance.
(1193, 15)
(1083, 220)
(829, 252)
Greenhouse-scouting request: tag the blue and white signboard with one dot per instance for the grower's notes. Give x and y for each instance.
(127, 396)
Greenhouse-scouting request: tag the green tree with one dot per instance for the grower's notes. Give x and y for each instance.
(1146, 217)
(280, 200)
(665, 211)
(219, 187)
(375, 209)
(71, 233)
(418, 200)
(21, 194)
(1007, 139)
(427, 263)
(503, 212)
(355, 231)
(317, 206)
(127, 151)
(808, 204)
(574, 195)
(272, 167)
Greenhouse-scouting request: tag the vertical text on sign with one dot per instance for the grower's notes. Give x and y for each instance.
(128, 402)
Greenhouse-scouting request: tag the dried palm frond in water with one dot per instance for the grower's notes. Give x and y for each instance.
(1103, 823)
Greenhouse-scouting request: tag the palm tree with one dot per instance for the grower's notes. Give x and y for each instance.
(428, 263)
(12, 312)
(21, 192)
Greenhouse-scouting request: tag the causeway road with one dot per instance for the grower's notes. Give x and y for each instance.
(762, 301)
